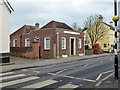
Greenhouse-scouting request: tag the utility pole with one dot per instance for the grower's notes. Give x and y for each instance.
(115, 19)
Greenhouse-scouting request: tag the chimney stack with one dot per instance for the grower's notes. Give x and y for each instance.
(37, 26)
(100, 18)
(111, 23)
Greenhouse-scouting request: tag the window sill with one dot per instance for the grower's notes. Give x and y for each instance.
(63, 49)
(46, 49)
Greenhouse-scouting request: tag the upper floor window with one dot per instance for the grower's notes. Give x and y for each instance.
(27, 42)
(79, 43)
(47, 43)
(15, 42)
(63, 43)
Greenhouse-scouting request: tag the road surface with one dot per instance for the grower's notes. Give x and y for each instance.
(77, 74)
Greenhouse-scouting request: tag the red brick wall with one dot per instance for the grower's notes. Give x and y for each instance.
(15, 37)
(26, 52)
(52, 33)
(67, 36)
(42, 34)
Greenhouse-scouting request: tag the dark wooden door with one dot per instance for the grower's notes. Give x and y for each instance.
(72, 46)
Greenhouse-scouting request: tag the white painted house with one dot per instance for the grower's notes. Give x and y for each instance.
(5, 10)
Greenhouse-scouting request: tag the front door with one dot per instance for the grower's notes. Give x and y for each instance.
(72, 46)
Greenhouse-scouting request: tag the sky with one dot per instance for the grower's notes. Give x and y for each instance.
(29, 12)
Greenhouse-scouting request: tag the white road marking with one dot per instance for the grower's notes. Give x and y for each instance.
(13, 76)
(86, 65)
(52, 74)
(98, 77)
(89, 80)
(23, 70)
(107, 71)
(36, 71)
(71, 77)
(69, 86)
(1, 74)
(18, 81)
(101, 61)
(61, 71)
(102, 74)
(41, 84)
(98, 84)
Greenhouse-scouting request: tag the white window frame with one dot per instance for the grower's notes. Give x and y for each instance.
(45, 43)
(26, 42)
(63, 43)
(14, 42)
(79, 44)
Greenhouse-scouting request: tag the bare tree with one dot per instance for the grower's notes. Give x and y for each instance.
(95, 28)
(76, 28)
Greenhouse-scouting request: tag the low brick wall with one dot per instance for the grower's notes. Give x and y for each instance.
(89, 52)
(26, 52)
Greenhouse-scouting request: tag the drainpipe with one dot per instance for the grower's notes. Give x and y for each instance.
(84, 44)
(21, 40)
(57, 45)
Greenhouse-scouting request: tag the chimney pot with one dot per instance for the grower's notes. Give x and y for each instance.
(37, 26)
(111, 23)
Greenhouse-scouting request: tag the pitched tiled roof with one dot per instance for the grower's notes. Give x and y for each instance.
(55, 24)
(24, 29)
(111, 27)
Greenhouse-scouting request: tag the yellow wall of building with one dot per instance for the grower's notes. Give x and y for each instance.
(108, 39)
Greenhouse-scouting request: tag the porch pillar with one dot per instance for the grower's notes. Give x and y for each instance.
(35, 46)
(57, 45)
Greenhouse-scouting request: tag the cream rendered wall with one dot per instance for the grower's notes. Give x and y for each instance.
(5, 29)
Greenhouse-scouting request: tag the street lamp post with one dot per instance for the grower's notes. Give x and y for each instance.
(115, 19)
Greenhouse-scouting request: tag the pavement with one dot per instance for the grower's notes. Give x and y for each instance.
(18, 63)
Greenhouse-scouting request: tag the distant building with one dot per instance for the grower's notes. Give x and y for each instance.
(107, 41)
(5, 10)
(55, 39)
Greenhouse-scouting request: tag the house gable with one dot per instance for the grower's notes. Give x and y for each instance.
(24, 29)
(55, 24)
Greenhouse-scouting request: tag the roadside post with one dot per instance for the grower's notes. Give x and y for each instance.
(115, 19)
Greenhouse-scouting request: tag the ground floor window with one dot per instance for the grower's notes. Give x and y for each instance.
(63, 43)
(15, 42)
(79, 43)
(47, 43)
(105, 45)
(27, 42)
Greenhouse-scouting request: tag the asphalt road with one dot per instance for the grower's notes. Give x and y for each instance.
(76, 74)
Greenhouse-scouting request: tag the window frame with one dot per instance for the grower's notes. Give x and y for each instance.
(45, 43)
(26, 42)
(63, 45)
(14, 44)
(105, 45)
(79, 43)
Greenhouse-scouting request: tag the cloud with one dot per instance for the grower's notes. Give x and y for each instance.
(68, 11)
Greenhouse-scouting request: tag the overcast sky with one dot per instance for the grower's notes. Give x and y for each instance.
(28, 12)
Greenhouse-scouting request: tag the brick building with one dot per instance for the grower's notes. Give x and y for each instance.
(55, 39)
